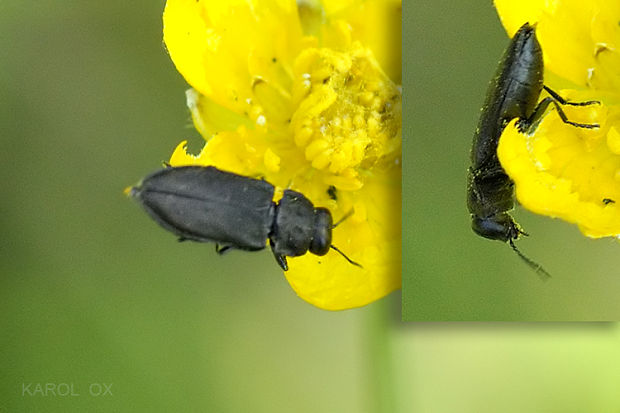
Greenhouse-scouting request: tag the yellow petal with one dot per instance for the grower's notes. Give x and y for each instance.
(221, 46)
(580, 39)
(210, 118)
(370, 237)
(375, 23)
(514, 14)
(568, 172)
(240, 151)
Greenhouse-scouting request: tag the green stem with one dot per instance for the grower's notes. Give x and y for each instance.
(380, 321)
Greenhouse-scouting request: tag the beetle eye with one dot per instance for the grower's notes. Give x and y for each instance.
(322, 234)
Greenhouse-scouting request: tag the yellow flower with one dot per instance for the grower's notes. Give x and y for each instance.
(563, 171)
(299, 93)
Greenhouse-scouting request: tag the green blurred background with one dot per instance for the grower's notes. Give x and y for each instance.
(92, 292)
(451, 53)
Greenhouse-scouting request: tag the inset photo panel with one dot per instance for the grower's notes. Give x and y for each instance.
(511, 182)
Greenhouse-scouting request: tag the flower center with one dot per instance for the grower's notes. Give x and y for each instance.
(348, 112)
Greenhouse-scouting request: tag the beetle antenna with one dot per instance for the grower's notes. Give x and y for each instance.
(542, 273)
(347, 215)
(345, 257)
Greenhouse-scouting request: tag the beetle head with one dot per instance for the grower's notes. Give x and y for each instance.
(499, 227)
(322, 234)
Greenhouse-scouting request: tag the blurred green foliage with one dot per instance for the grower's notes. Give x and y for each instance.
(451, 50)
(508, 367)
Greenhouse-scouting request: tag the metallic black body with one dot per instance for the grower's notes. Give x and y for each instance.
(513, 93)
(206, 204)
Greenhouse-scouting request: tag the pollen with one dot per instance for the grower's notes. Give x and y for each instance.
(349, 112)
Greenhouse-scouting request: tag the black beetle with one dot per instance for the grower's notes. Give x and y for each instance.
(513, 93)
(206, 204)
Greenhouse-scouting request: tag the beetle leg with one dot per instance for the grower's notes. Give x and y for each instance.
(280, 259)
(563, 101)
(530, 124)
(222, 250)
(565, 119)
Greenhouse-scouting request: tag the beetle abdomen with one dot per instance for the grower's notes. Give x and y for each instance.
(513, 93)
(206, 204)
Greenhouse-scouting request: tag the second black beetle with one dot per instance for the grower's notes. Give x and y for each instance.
(513, 93)
(206, 204)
